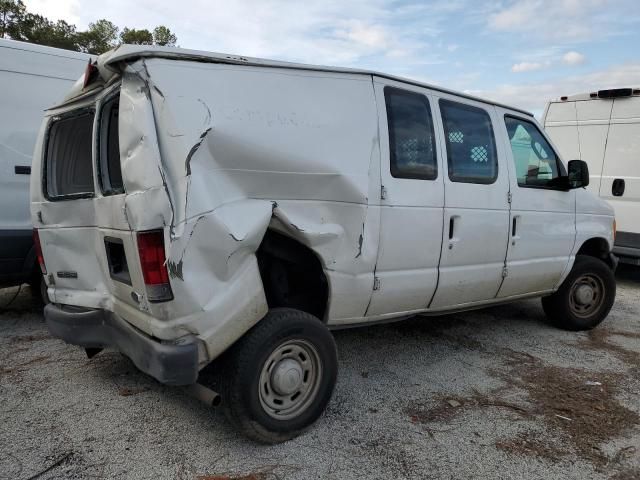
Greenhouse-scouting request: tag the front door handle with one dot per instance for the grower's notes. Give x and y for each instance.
(617, 189)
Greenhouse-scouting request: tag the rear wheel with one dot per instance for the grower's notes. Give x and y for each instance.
(279, 377)
(585, 297)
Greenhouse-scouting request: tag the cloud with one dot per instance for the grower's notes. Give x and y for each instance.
(362, 33)
(552, 19)
(570, 58)
(573, 58)
(533, 96)
(527, 67)
(371, 36)
(56, 10)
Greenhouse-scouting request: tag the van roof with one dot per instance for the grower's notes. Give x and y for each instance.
(32, 47)
(595, 95)
(125, 53)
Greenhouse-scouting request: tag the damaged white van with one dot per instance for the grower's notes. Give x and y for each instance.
(193, 206)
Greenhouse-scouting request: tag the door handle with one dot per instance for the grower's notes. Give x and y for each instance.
(617, 188)
(453, 221)
(514, 229)
(22, 170)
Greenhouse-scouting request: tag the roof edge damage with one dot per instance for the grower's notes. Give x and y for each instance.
(111, 63)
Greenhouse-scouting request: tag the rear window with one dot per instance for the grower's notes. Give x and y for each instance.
(109, 158)
(68, 163)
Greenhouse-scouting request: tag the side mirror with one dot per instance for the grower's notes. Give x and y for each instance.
(578, 174)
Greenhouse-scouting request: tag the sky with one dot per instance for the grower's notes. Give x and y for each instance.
(519, 52)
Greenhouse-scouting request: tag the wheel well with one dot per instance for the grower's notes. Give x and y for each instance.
(598, 248)
(292, 275)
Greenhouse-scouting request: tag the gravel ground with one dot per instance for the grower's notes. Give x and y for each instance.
(495, 393)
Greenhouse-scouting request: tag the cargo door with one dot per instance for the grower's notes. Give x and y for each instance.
(593, 125)
(621, 170)
(412, 201)
(86, 241)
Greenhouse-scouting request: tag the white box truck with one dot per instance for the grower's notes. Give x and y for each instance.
(194, 206)
(32, 79)
(603, 129)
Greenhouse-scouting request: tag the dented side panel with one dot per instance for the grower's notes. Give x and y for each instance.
(246, 149)
(240, 151)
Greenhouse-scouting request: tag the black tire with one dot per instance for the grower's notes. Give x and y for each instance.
(567, 310)
(251, 360)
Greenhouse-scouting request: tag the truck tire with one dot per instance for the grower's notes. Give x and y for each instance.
(585, 297)
(278, 378)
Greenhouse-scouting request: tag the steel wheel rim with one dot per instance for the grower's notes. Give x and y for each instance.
(290, 379)
(586, 295)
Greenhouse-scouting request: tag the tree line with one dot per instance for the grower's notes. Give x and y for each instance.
(18, 24)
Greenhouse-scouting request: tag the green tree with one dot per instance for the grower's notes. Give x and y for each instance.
(99, 37)
(38, 29)
(164, 37)
(19, 24)
(11, 14)
(136, 37)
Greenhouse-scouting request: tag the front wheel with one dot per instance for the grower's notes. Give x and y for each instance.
(585, 297)
(279, 377)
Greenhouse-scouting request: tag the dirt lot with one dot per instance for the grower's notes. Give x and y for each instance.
(495, 393)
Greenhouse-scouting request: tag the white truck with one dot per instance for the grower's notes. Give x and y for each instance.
(32, 79)
(194, 206)
(603, 129)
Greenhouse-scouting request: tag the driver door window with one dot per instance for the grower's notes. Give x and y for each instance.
(536, 163)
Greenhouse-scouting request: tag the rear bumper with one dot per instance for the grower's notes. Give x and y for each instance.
(171, 364)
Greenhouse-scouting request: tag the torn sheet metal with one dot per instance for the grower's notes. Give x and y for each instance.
(239, 151)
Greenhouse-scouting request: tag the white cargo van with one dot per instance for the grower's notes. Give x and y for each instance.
(32, 79)
(194, 206)
(603, 129)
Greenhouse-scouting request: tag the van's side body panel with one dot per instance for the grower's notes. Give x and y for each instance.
(622, 163)
(605, 133)
(32, 78)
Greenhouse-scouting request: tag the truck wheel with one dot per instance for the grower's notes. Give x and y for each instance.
(585, 297)
(279, 377)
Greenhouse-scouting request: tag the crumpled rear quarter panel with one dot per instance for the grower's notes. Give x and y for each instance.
(242, 150)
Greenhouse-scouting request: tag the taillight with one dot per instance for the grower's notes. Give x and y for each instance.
(154, 268)
(36, 242)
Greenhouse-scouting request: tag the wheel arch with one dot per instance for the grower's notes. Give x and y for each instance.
(292, 275)
(597, 247)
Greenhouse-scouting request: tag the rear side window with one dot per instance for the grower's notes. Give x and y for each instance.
(109, 148)
(68, 163)
(411, 138)
(471, 147)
